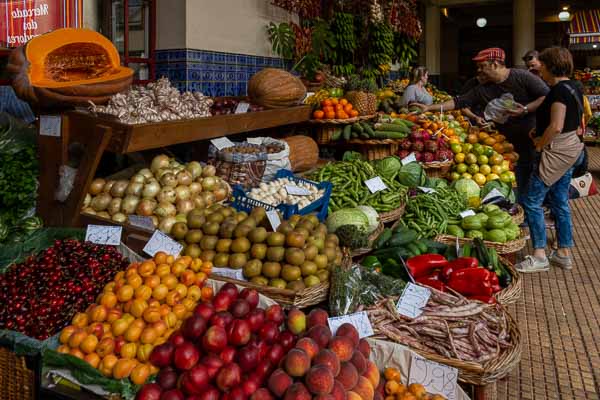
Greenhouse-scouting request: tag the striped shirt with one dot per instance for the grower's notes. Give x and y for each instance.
(11, 104)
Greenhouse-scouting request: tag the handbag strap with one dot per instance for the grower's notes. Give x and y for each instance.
(579, 104)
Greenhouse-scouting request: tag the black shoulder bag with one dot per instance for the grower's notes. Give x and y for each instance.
(581, 168)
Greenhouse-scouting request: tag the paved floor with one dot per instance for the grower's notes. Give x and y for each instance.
(558, 315)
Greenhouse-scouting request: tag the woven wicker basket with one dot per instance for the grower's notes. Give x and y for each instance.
(364, 250)
(519, 217)
(393, 215)
(502, 248)
(325, 133)
(376, 149)
(437, 169)
(16, 380)
(304, 152)
(512, 292)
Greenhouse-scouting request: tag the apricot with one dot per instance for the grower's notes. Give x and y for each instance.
(89, 344)
(109, 300)
(160, 327)
(93, 359)
(119, 326)
(63, 349)
(152, 281)
(170, 281)
(138, 306)
(146, 268)
(151, 314)
(125, 293)
(173, 297)
(76, 338)
(135, 281)
(133, 333)
(77, 353)
(160, 257)
(144, 292)
(128, 350)
(123, 368)
(181, 289)
(143, 352)
(113, 315)
(107, 364)
(160, 292)
(194, 293)
(66, 333)
(342, 346)
(80, 320)
(163, 270)
(105, 347)
(149, 335)
(140, 374)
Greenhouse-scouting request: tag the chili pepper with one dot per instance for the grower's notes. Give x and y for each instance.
(458, 264)
(471, 282)
(496, 288)
(433, 282)
(484, 299)
(494, 279)
(371, 262)
(425, 263)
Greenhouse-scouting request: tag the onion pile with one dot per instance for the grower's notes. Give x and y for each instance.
(165, 192)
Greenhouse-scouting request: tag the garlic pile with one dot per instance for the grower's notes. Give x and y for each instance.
(158, 101)
(275, 193)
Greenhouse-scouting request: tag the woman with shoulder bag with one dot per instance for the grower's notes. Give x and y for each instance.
(558, 149)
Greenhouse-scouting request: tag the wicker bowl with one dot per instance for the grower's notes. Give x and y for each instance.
(392, 216)
(374, 235)
(437, 169)
(502, 248)
(519, 217)
(511, 293)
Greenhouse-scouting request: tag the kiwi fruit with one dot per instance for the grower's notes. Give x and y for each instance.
(223, 245)
(179, 230)
(193, 236)
(276, 239)
(291, 272)
(237, 260)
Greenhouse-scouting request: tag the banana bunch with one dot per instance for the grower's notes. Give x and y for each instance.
(381, 45)
(343, 30)
(404, 49)
(317, 97)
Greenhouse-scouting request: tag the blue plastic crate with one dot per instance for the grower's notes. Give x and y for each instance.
(242, 202)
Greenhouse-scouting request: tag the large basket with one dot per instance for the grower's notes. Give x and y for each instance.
(511, 293)
(502, 248)
(304, 152)
(374, 235)
(392, 216)
(437, 169)
(239, 168)
(376, 149)
(16, 380)
(519, 217)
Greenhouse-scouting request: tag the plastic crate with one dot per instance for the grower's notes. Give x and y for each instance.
(242, 202)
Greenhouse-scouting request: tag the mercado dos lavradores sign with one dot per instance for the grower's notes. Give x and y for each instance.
(21, 20)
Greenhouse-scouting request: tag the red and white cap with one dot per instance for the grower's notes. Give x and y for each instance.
(491, 54)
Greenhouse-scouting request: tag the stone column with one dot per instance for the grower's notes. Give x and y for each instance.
(523, 29)
(432, 42)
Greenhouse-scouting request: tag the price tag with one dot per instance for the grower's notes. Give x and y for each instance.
(161, 242)
(308, 94)
(297, 191)
(436, 378)
(222, 143)
(413, 299)
(50, 125)
(254, 140)
(141, 222)
(467, 213)
(491, 195)
(229, 273)
(103, 234)
(359, 320)
(375, 184)
(274, 220)
(408, 159)
(426, 189)
(242, 108)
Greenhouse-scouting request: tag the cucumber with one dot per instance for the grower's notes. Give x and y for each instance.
(413, 248)
(368, 129)
(337, 134)
(357, 128)
(404, 237)
(347, 132)
(383, 238)
(434, 247)
(422, 246)
(406, 122)
(389, 135)
(392, 127)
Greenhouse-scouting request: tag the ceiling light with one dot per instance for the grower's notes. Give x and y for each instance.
(594, 46)
(564, 15)
(481, 22)
(565, 8)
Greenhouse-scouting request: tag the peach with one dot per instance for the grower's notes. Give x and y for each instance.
(297, 362)
(297, 392)
(338, 392)
(319, 380)
(309, 346)
(279, 382)
(359, 361)
(317, 317)
(353, 396)
(364, 388)
(327, 358)
(372, 373)
(324, 397)
(348, 375)
(320, 334)
(262, 394)
(350, 331)
(123, 368)
(296, 321)
(342, 346)
(364, 347)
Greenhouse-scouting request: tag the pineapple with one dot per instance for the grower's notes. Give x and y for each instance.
(361, 94)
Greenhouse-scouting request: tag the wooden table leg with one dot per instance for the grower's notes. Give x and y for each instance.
(487, 392)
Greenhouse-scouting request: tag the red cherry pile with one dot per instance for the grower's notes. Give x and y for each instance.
(39, 296)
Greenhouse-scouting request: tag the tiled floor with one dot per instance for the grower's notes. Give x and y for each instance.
(559, 318)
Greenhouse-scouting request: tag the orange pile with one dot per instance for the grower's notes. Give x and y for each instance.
(334, 108)
(395, 390)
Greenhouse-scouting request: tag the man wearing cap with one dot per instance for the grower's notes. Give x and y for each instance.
(528, 92)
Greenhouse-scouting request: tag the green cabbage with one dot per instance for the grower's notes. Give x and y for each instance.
(372, 215)
(437, 183)
(467, 187)
(347, 216)
(388, 167)
(502, 187)
(412, 175)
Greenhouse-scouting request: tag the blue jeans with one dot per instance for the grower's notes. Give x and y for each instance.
(557, 200)
(522, 175)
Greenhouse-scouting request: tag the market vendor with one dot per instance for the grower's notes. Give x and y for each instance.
(416, 91)
(528, 92)
(11, 104)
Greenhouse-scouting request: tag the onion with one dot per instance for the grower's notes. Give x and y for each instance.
(183, 192)
(195, 188)
(184, 178)
(87, 200)
(181, 218)
(152, 180)
(88, 210)
(220, 193)
(209, 170)
(169, 180)
(163, 171)
(208, 197)
(145, 207)
(174, 164)
(167, 194)
(134, 189)
(165, 209)
(103, 214)
(146, 172)
(118, 189)
(194, 168)
(100, 202)
(114, 206)
(119, 217)
(154, 220)
(129, 204)
(107, 186)
(185, 206)
(166, 224)
(159, 162)
(199, 201)
(96, 186)
(138, 178)
(150, 190)
(209, 183)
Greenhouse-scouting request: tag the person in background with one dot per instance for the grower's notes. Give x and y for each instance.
(475, 114)
(558, 150)
(528, 92)
(11, 104)
(587, 108)
(532, 62)
(416, 91)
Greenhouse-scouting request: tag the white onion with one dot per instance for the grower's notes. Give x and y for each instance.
(165, 209)
(199, 201)
(134, 189)
(96, 186)
(145, 207)
(88, 210)
(185, 206)
(118, 189)
(209, 183)
(159, 162)
(114, 206)
(87, 200)
(183, 192)
(129, 204)
(220, 193)
(174, 164)
(167, 194)
(107, 186)
(209, 170)
(161, 172)
(184, 178)
(119, 217)
(181, 218)
(103, 214)
(138, 178)
(195, 188)
(194, 168)
(169, 180)
(166, 224)
(150, 190)
(101, 202)
(208, 197)
(146, 173)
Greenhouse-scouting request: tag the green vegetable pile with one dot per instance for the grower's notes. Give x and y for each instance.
(492, 224)
(385, 128)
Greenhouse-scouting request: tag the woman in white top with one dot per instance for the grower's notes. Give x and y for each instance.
(416, 92)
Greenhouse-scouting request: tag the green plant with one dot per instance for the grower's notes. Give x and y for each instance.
(282, 38)
(404, 49)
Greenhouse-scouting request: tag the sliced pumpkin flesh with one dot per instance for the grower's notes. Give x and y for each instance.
(77, 61)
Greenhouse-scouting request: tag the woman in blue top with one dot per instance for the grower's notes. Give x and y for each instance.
(416, 92)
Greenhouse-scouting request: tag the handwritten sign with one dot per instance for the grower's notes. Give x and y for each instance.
(408, 159)
(50, 125)
(296, 190)
(436, 378)
(161, 242)
(467, 213)
(426, 189)
(375, 184)
(229, 273)
(141, 222)
(359, 320)
(103, 234)
(274, 220)
(491, 195)
(242, 108)
(413, 299)
(222, 143)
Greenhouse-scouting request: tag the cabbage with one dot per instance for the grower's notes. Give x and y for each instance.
(437, 183)
(347, 216)
(411, 175)
(372, 215)
(467, 187)
(502, 187)
(388, 166)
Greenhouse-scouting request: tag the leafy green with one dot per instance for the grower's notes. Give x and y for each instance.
(388, 167)
(372, 215)
(282, 39)
(347, 216)
(502, 187)
(412, 175)
(467, 187)
(352, 236)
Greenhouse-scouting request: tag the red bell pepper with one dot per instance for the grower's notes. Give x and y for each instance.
(424, 264)
(484, 299)
(459, 263)
(471, 282)
(432, 281)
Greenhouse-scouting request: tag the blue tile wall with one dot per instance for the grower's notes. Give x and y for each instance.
(213, 73)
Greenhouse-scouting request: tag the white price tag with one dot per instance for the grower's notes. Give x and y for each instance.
(161, 242)
(436, 378)
(229, 273)
(242, 108)
(359, 320)
(375, 184)
(141, 222)
(426, 189)
(413, 299)
(222, 143)
(254, 140)
(467, 213)
(50, 125)
(274, 220)
(492, 194)
(103, 234)
(308, 94)
(408, 159)
(296, 190)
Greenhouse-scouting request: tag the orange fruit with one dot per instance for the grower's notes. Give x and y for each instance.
(353, 113)
(341, 114)
(339, 107)
(326, 102)
(318, 114)
(334, 101)
(343, 101)
(348, 108)
(330, 115)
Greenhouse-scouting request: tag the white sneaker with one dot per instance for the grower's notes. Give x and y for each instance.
(532, 264)
(560, 261)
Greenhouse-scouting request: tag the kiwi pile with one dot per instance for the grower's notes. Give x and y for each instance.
(299, 254)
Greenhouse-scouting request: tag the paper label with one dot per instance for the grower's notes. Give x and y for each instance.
(408, 159)
(103, 234)
(222, 143)
(375, 184)
(297, 191)
(491, 195)
(359, 320)
(141, 222)
(229, 273)
(161, 242)
(50, 125)
(308, 94)
(274, 220)
(254, 140)
(467, 213)
(413, 299)
(436, 378)
(242, 108)
(426, 189)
